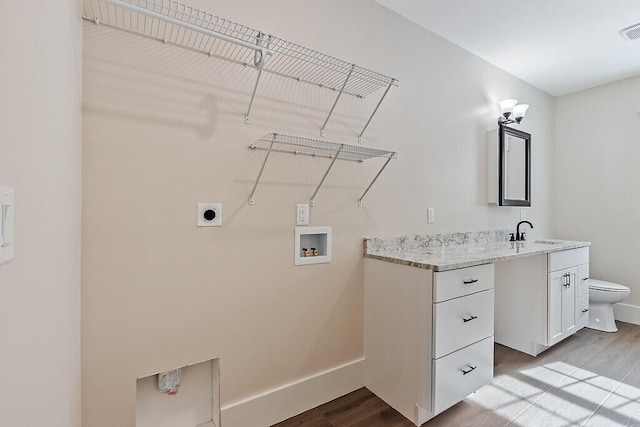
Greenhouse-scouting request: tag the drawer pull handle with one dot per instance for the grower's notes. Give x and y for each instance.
(584, 310)
(468, 282)
(585, 279)
(471, 368)
(465, 320)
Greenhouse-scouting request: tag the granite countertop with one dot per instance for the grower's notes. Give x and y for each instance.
(441, 252)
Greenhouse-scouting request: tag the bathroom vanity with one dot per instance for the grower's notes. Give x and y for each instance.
(431, 304)
(531, 317)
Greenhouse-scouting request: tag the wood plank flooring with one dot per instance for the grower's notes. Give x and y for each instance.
(590, 379)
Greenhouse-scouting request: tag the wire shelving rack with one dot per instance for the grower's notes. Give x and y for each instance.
(276, 142)
(172, 22)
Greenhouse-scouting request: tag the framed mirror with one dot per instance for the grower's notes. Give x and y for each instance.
(514, 167)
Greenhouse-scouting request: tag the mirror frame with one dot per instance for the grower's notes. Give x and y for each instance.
(506, 130)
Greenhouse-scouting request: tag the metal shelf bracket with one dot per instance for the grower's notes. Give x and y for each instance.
(375, 110)
(337, 99)
(335, 157)
(374, 180)
(251, 199)
(258, 61)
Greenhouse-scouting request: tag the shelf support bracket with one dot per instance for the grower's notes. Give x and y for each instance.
(251, 199)
(374, 180)
(337, 99)
(258, 60)
(375, 110)
(247, 119)
(335, 157)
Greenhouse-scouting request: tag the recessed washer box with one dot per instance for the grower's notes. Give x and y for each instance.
(312, 245)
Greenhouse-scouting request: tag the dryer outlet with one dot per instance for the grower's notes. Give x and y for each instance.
(209, 215)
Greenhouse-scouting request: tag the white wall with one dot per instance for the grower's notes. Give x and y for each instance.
(164, 129)
(597, 174)
(40, 157)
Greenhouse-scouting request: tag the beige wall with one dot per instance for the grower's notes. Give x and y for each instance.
(164, 129)
(597, 190)
(40, 157)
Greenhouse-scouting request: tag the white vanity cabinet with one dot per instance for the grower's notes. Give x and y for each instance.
(541, 299)
(428, 336)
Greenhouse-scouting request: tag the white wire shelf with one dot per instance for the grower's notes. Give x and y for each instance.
(277, 142)
(176, 23)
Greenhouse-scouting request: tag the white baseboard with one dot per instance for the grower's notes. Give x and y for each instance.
(294, 398)
(627, 313)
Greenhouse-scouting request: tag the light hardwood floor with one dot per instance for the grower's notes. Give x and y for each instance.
(590, 379)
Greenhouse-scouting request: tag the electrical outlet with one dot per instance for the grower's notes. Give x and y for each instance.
(209, 215)
(523, 214)
(431, 215)
(6, 224)
(302, 214)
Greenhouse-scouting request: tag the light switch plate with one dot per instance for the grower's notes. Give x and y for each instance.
(7, 212)
(302, 214)
(209, 215)
(523, 214)
(431, 213)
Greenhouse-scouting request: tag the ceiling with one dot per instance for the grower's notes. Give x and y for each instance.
(559, 46)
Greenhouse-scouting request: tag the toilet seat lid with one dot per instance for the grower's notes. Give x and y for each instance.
(601, 285)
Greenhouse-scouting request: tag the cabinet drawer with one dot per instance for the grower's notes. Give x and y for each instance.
(582, 312)
(451, 384)
(583, 280)
(463, 281)
(462, 321)
(569, 258)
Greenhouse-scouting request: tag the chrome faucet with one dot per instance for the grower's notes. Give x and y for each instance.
(519, 236)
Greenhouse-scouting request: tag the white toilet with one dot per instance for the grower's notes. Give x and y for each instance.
(602, 296)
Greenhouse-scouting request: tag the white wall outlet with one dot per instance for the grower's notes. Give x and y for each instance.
(209, 215)
(7, 210)
(302, 214)
(431, 215)
(523, 214)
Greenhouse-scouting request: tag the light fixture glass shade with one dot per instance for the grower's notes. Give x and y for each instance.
(519, 111)
(506, 106)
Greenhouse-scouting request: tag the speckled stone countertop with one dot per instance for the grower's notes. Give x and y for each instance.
(441, 252)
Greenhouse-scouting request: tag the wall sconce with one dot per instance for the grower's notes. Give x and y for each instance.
(511, 111)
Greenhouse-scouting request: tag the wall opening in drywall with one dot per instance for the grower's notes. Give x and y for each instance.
(196, 402)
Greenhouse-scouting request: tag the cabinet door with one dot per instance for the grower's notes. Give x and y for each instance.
(562, 304)
(556, 285)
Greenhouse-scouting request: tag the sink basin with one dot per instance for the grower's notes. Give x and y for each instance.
(547, 242)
